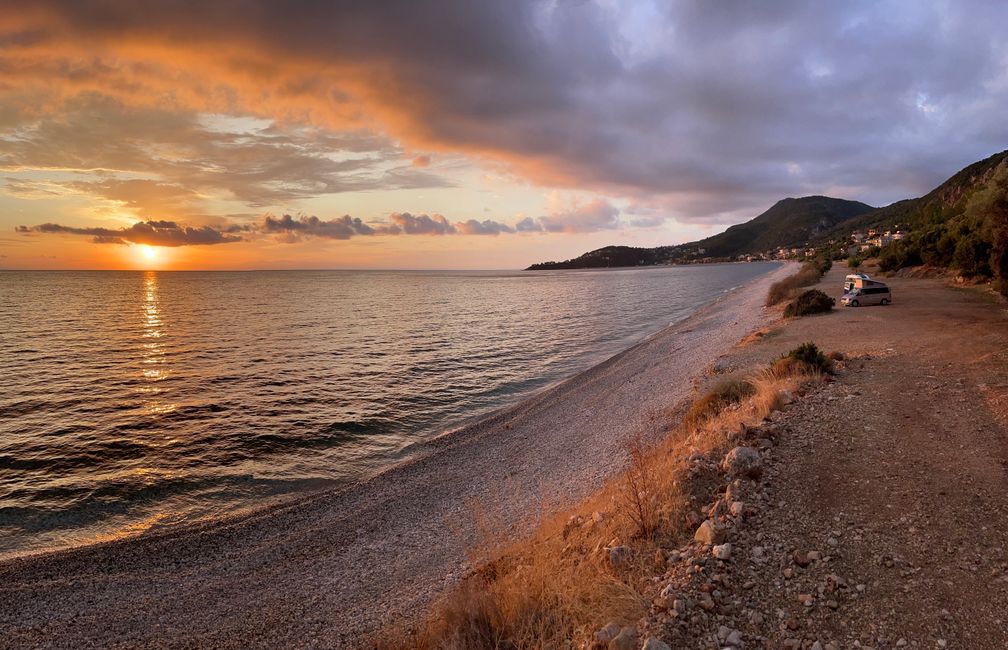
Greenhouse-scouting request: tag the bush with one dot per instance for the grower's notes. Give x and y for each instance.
(812, 301)
(854, 261)
(725, 393)
(805, 359)
(808, 275)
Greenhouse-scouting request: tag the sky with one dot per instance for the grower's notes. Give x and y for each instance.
(254, 134)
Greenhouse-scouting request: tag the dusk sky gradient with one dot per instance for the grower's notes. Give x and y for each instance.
(255, 134)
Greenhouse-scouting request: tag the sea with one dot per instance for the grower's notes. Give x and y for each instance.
(135, 401)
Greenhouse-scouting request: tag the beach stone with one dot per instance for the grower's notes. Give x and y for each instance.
(722, 551)
(625, 640)
(608, 633)
(709, 533)
(743, 461)
(652, 643)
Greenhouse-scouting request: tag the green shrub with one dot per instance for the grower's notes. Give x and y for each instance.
(807, 358)
(854, 261)
(726, 392)
(812, 301)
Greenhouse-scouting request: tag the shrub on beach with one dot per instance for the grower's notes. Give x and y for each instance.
(725, 393)
(809, 274)
(807, 358)
(812, 301)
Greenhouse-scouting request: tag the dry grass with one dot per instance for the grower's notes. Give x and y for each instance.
(726, 392)
(780, 291)
(559, 586)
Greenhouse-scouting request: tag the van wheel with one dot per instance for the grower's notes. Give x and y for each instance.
(884, 302)
(855, 303)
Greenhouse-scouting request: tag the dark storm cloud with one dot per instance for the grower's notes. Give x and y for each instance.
(154, 233)
(700, 108)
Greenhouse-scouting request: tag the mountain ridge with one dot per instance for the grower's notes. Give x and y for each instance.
(786, 222)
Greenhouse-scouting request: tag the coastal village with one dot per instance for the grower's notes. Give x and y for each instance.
(867, 243)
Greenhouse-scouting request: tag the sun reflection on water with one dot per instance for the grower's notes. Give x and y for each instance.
(154, 355)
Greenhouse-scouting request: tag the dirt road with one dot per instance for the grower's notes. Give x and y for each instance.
(896, 473)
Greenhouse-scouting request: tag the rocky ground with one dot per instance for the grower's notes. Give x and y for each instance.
(879, 516)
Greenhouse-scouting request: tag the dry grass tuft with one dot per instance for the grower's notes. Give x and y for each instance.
(558, 587)
(725, 393)
(780, 291)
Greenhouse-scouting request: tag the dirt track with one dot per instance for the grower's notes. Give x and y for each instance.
(897, 473)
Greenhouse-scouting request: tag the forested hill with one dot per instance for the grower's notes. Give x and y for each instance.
(790, 222)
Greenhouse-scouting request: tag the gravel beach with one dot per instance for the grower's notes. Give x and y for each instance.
(330, 569)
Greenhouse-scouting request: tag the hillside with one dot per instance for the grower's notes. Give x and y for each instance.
(947, 201)
(962, 224)
(790, 222)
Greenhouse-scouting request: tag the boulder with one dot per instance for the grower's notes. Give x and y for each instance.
(709, 533)
(608, 633)
(744, 462)
(625, 640)
(652, 643)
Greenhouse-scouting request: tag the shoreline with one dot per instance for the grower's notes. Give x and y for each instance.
(325, 568)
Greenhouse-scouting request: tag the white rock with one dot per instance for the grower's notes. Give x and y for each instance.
(743, 461)
(722, 551)
(734, 638)
(736, 508)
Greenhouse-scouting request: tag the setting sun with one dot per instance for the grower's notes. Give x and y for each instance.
(148, 253)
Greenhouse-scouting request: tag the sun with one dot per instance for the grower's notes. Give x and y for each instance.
(148, 253)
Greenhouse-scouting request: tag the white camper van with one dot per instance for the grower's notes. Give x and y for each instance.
(859, 289)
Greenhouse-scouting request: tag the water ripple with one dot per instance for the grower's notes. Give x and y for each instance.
(136, 400)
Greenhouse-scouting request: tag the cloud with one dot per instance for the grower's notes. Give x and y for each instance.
(166, 161)
(703, 105)
(595, 215)
(528, 224)
(485, 227)
(343, 227)
(154, 233)
(420, 224)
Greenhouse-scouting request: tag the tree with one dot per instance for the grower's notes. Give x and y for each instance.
(989, 207)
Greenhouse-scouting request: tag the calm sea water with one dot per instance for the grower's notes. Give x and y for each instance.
(131, 401)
